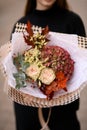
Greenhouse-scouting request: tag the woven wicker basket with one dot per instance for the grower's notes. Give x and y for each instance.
(30, 100)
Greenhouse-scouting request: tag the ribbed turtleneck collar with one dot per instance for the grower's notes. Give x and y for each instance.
(47, 12)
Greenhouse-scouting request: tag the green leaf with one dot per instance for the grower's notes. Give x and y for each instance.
(20, 63)
(18, 60)
(20, 78)
(24, 65)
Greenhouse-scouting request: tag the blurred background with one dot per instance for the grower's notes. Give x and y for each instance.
(10, 12)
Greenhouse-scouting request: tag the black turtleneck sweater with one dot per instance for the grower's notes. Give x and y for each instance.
(58, 20)
(62, 117)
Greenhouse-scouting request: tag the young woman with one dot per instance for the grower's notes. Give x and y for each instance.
(55, 14)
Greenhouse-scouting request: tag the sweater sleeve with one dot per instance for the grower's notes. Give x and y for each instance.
(78, 26)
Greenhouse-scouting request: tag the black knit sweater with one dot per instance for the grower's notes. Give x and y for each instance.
(58, 20)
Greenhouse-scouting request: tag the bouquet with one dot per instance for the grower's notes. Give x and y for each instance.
(48, 68)
(40, 65)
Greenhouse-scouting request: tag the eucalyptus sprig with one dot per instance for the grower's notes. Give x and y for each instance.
(21, 66)
(20, 78)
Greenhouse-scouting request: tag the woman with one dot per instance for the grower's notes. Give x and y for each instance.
(59, 18)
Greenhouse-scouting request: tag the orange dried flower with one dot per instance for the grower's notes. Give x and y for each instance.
(59, 83)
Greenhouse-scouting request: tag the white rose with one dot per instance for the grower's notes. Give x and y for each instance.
(47, 75)
(33, 71)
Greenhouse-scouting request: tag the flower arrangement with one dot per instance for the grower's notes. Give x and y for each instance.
(47, 67)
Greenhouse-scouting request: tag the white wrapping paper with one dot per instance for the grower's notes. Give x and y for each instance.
(68, 42)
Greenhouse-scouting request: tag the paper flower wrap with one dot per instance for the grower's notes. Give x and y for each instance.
(65, 41)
